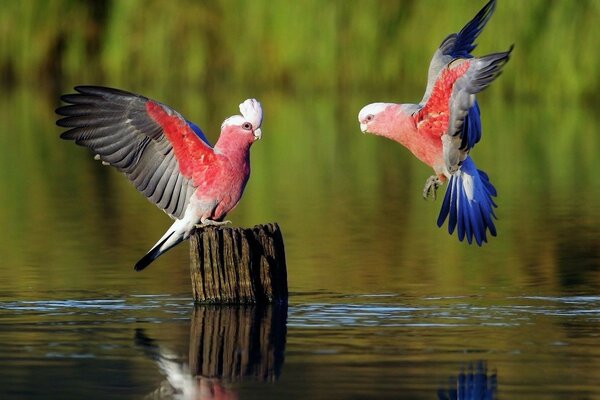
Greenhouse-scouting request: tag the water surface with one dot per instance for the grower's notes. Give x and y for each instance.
(336, 346)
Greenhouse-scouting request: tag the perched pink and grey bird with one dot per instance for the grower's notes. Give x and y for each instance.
(443, 128)
(166, 157)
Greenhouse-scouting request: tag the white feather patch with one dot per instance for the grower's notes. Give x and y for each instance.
(234, 120)
(252, 111)
(468, 185)
(371, 109)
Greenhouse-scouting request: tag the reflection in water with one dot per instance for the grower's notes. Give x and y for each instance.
(473, 384)
(227, 344)
(179, 383)
(234, 342)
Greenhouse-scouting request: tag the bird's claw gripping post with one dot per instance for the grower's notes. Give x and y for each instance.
(431, 185)
(210, 222)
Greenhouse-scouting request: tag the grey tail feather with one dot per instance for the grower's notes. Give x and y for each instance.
(152, 255)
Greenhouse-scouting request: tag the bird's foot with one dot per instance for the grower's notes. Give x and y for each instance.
(431, 185)
(210, 222)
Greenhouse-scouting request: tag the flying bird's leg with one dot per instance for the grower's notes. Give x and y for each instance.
(210, 222)
(431, 185)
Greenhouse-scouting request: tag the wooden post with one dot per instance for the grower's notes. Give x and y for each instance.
(230, 343)
(238, 266)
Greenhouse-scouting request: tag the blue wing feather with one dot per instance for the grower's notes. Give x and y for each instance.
(460, 45)
(463, 44)
(471, 129)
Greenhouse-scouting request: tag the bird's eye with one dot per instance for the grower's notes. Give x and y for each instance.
(370, 117)
(247, 126)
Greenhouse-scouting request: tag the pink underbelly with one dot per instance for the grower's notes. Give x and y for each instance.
(429, 152)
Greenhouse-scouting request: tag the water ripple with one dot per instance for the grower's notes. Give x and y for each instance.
(455, 311)
(152, 308)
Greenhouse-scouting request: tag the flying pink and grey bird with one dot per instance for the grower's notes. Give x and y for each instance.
(443, 128)
(166, 157)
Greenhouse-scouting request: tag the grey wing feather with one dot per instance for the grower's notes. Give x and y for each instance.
(480, 75)
(114, 124)
(457, 45)
(438, 61)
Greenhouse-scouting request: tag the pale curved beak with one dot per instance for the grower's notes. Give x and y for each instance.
(257, 134)
(363, 128)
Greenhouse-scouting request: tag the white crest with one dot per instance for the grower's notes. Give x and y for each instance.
(251, 112)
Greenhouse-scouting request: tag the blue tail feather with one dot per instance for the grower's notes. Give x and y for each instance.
(468, 204)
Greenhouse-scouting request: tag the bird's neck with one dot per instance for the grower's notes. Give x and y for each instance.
(234, 145)
(399, 125)
(395, 124)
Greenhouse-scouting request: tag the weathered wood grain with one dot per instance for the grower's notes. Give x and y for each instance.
(238, 265)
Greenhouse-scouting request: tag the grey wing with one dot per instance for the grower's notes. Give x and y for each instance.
(457, 45)
(115, 125)
(460, 138)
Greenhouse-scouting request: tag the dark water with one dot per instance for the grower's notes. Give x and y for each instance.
(337, 346)
(383, 303)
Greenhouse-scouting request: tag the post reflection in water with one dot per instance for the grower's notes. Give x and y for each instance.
(472, 384)
(227, 344)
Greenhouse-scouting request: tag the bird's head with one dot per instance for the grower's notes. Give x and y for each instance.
(249, 122)
(373, 116)
(387, 119)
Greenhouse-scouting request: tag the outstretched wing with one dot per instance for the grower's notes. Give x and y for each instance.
(460, 45)
(457, 45)
(153, 145)
(464, 126)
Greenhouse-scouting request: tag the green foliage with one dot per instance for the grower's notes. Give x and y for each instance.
(307, 45)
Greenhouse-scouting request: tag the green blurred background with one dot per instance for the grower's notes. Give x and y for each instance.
(349, 205)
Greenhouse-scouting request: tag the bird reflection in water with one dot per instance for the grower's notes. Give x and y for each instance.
(227, 344)
(472, 384)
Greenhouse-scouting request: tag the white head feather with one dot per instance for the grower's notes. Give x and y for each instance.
(251, 112)
(371, 109)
